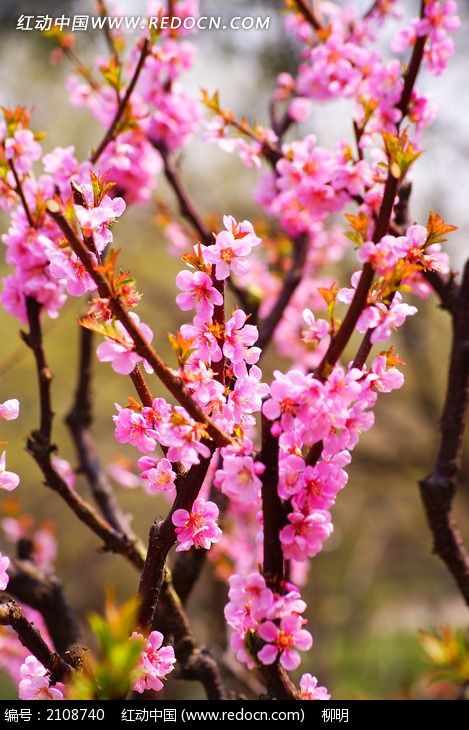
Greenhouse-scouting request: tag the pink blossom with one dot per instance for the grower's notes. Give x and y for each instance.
(309, 689)
(23, 150)
(158, 474)
(45, 549)
(383, 378)
(35, 683)
(238, 338)
(10, 409)
(291, 471)
(385, 254)
(304, 536)
(299, 108)
(95, 220)
(197, 528)
(4, 577)
(121, 473)
(133, 428)
(286, 394)
(199, 293)
(317, 329)
(284, 640)
(120, 351)
(8, 479)
(69, 268)
(251, 595)
(65, 470)
(382, 319)
(239, 478)
(155, 663)
(231, 248)
(204, 340)
(182, 435)
(61, 163)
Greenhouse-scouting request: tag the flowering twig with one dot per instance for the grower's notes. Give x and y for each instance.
(142, 347)
(439, 487)
(161, 539)
(111, 131)
(11, 614)
(40, 447)
(79, 420)
(104, 13)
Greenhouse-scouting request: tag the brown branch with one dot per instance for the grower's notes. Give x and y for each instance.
(186, 572)
(446, 289)
(40, 447)
(195, 662)
(121, 108)
(161, 539)
(44, 593)
(413, 68)
(308, 14)
(290, 284)
(33, 339)
(79, 420)
(272, 509)
(438, 488)
(11, 614)
(373, 8)
(186, 207)
(189, 212)
(142, 346)
(20, 191)
(104, 13)
(359, 301)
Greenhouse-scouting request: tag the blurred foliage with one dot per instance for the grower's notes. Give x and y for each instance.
(110, 674)
(448, 650)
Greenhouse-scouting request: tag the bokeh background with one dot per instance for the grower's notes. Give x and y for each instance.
(376, 584)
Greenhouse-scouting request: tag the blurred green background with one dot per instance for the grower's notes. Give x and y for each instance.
(376, 583)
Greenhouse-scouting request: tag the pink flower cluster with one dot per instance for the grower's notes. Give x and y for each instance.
(161, 114)
(198, 527)
(35, 683)
(118, 347)
(310, 183)
(155, 663)
(277, 619)
(439, 20)
(386, 254)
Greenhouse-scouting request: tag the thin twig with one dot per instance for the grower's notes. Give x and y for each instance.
(195, 663)
(11, 614)
(20, 191)
(438, 488)
(111, 131)
(290, 284)
(40, 447)
(272, 509)
(308, 14)
(79, 421)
